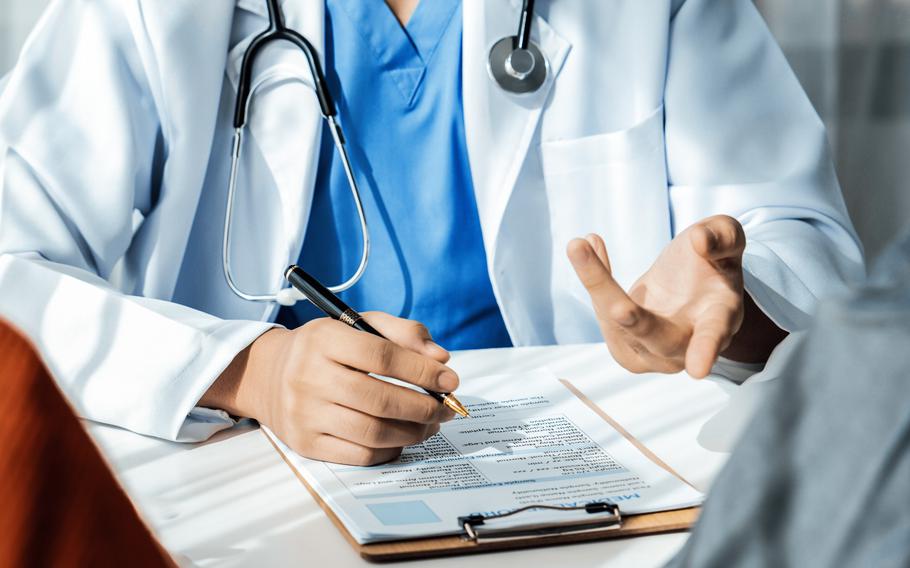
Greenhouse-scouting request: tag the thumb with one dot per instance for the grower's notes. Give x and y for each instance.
(711, 335)
(719, 238)
(407, 333)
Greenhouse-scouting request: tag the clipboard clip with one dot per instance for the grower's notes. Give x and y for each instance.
(604, 516)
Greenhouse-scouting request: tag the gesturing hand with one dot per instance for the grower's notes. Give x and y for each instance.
(683, 312)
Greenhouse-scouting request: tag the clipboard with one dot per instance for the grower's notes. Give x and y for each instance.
(607, 521)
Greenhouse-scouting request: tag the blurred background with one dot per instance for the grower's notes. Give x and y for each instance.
(852, 57)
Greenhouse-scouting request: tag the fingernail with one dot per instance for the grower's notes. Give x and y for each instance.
(448, 381)
(712, 239)
(580, 253)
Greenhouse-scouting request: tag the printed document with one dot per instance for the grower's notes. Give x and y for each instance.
(529, 440)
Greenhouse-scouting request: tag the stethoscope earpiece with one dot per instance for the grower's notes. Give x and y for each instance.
(516, 70)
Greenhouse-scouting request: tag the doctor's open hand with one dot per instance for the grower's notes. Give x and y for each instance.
(686, 310)
(312, 388)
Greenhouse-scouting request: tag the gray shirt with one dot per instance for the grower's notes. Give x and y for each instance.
(822, 475)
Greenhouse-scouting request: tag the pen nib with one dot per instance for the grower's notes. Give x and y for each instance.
(455, 405)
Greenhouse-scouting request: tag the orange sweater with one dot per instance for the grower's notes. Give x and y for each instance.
(59, 503)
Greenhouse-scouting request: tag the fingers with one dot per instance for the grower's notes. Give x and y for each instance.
(600, 249)
(718, 238)
(612, 304)
(643, 339)
(711, 335)
(382, 399)
(369, 431)
(410, 334)
(610, 300)
(326, 447)
(326, 406)
(366, 352)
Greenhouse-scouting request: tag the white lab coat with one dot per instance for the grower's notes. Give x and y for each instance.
(114, 151)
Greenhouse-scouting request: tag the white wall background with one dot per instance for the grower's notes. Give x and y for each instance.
(853, 58)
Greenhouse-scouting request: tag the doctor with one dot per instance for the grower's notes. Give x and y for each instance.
(670, 132)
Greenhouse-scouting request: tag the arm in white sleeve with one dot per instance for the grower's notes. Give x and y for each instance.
(79, 140)
(744, 140)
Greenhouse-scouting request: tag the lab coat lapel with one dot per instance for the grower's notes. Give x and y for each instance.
(499, 126)
(190, 73)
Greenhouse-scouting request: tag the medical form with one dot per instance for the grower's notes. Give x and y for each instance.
(529, 440)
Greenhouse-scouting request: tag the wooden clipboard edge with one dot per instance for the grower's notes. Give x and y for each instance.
(625, 433)
(455, 545)
(633, 525)
(322, 504)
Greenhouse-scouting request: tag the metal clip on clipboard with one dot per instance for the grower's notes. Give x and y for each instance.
(605, 516)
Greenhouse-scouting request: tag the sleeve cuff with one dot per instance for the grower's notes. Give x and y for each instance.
(734, 372)
(776, 290)
(189, 422)
(202, 423)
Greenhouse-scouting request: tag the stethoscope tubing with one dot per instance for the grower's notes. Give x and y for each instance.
(245, 92)
(499, 66)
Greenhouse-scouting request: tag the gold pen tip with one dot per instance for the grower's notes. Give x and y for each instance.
(456, 406)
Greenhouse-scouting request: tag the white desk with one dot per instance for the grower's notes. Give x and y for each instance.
(231, 501)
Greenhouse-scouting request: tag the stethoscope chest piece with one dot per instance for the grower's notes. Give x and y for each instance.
(516, 70)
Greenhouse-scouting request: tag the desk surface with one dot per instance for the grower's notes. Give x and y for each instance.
(232, 501)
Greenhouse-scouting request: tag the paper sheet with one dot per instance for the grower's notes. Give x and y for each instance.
(529, 440)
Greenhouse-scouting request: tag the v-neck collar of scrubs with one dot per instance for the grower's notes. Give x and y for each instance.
(402, 51)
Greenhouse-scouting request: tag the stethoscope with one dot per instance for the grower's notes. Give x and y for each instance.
(514, 63)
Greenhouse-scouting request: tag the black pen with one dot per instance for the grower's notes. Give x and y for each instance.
(332, 306)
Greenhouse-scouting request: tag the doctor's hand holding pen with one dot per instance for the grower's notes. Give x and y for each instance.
(312, 387)
(689, 308)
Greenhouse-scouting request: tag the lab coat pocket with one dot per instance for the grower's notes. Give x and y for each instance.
(613, 184)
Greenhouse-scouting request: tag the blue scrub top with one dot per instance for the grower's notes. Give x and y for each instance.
(400, 103)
